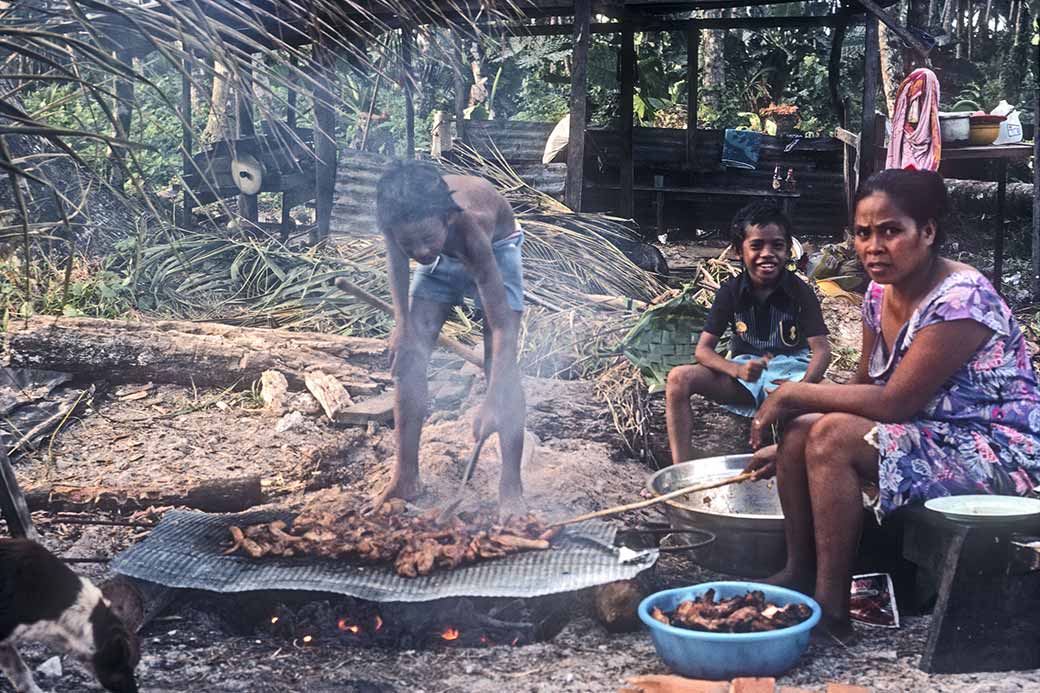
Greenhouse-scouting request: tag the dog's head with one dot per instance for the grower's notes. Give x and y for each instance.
(116, 652)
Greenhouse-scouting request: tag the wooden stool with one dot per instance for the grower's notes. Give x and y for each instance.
(12, 503)
(988, 580)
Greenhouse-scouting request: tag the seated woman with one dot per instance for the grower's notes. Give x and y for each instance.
(944, 402)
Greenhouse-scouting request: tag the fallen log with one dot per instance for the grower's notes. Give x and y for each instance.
(188, 353)
(135, 601)
(975, 196)
(211, 495)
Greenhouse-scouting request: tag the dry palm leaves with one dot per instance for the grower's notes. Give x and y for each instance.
(415, 545)
(748, 613)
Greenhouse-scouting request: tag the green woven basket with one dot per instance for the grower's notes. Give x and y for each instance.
(666, 336)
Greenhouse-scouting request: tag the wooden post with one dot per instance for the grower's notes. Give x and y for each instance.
(834, 72)
(1036, 187)
(998, 238)
(871, 67)
(290, 123)
(579, 93)
(13, 507)
(628, 89)
(247, 207)
(325, 149)
(407, 76)
(693, 78)
(187, 143)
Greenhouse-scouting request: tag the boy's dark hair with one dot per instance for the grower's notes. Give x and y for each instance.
(759, 213)
(921, 195)
(410, 191)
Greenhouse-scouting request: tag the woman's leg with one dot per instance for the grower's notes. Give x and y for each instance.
(793, 486)
(838, 461)
(684, 381)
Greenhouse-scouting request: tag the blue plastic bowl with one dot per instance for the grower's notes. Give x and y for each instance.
(703, 655)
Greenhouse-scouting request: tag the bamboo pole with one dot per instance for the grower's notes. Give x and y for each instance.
(452, 345)
(695, 488)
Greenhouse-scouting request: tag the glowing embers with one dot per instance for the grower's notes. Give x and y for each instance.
(343, 621)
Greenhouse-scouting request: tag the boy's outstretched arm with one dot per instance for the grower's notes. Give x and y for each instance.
(821, 359)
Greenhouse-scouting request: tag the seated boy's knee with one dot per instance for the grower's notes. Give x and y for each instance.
(678, 382)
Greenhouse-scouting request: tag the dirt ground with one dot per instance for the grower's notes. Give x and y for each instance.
(578, 466)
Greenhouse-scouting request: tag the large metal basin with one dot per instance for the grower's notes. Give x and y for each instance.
(746, 518)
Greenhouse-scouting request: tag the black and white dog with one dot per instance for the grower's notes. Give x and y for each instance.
(41, 599)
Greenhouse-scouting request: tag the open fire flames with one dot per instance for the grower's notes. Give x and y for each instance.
(444, 623)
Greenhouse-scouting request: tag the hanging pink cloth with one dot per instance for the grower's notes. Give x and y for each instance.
(915, 137)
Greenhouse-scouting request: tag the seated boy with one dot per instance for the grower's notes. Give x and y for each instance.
(775, 323)
(464, 235)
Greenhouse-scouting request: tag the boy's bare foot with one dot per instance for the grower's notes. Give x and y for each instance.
(833, 632)
(793, 580)
(405, 489)
(510, 505)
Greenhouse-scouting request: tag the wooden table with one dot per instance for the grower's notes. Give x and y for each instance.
(1000, 154)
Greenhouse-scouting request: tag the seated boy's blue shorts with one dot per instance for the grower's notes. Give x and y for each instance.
(448, 281)
(781, 367)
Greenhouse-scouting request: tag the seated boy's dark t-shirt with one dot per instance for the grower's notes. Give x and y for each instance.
(782, 324)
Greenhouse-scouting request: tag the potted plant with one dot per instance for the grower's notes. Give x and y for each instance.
(779, 118)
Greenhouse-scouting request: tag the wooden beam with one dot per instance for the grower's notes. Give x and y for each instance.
(579, 94)
(324, 138)
(693, 78)
(871, 68)
(653, 24)
(247, 204)
(628, 90)
(900, 31)
(408, 77)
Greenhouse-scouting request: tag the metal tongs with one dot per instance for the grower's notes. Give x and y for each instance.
(449, 509)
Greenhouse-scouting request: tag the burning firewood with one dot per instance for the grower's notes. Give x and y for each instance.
(415, 545)
(749, 613)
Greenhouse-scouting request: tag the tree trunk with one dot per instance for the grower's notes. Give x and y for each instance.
(949, 14)
(960, 9)
(1016, 65)
(186, 353)
(984, 29)
(713, 69)
(211, 495)
(892, 67)
(124, 112)
(221, 106)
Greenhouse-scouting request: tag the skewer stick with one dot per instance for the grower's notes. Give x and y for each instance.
(746, 476)
(452, 345)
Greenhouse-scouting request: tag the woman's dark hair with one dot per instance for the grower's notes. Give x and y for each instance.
(410, 191)
(760, 213)
(921, 195)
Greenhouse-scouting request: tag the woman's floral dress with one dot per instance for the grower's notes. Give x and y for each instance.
(980, 433)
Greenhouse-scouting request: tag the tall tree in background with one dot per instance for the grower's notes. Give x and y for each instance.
(1016, 65)
(218, 124)
(713, 65)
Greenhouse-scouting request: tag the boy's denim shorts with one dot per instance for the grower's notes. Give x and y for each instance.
(447, 280)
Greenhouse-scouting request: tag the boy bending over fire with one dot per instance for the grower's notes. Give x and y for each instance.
(463, 234)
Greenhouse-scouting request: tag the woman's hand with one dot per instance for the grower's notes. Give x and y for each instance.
(763, 462)
(772, 412)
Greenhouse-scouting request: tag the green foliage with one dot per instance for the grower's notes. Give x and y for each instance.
(96, 289)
